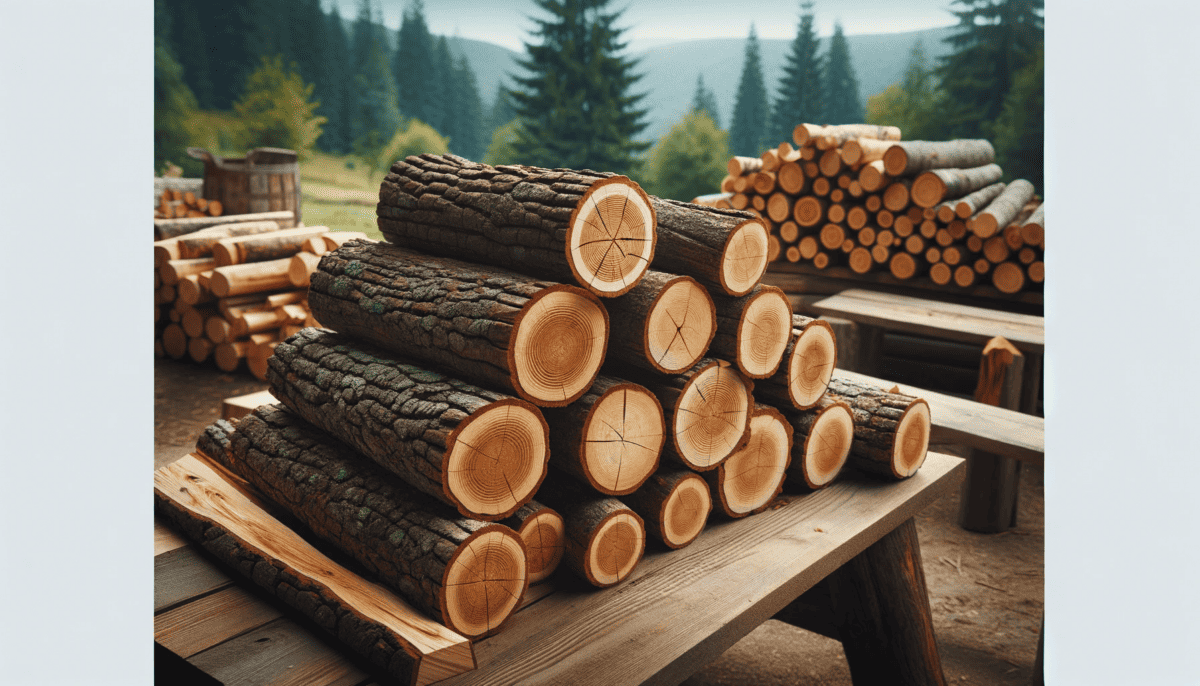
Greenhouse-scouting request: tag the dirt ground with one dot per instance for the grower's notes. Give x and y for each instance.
(986, 590)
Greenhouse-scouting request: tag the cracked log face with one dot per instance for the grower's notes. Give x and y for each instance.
(712, 415)
(827, 433)
(623, 437)
(891, 430)
(680, 326)
(752, 476)
(495, 459)
(912, 440)
(610, 239)
(744, 259)
(685, 511)
(811, 362)
(484, 581)
(615, 548)
(763, 333)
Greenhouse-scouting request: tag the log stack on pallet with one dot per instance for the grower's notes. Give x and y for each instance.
(229, 288)
(857, 196)
(610, 392)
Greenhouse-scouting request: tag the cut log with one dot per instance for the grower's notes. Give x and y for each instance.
(940, 273)
(1033, 230)
(864, 151)
(241, 279)
(193, 321)
(808, 247)
(821, 260)
(856, 218)
(811, 356)
(811, 170)
(891, 430)
(707, 409)
(770, 161)
(995, 250)
(927, 229)
(825, 137)
(779, 207)
(753, 330)
(872, 177)
(903, 226)
(873, 203)
(467, 574)
(896, 196)
(199, 349)
(759, 204)
(301, 268)
(576, 226)
(866, 237)
(753, 475)
(611, 438)
(740, 166)
(915, 245)
(1008, 277)
(191, 291)
(792, 254)
(885, 238)
(860, 260)
(836, 214)
(885, 219)
(216, 511)
(823, 438)
(174, 341)
(903, 266)
(481, 452)
(604, 539)
(908, 158)
(791, 178)
(544, 342)
(174, 270)
(764, 183)
(664, 324)
(821, 186)
(725, 250)
(165, 250)
(227, 355)
(1037, 271)
(964, 276)
(789, 232)
(675, 504)
(952, 256)
(832, 236)
(171, 228)
(969, 206)
(261, 248)
(830, 162)
(808, 211)
(1002, 210)
(544, 534)
(936, 185)
(200, 243)
(1012, 237)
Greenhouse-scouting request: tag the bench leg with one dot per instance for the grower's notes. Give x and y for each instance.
(881, 609)
(989, 493)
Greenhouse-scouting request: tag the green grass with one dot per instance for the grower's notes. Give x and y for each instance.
(339, 196)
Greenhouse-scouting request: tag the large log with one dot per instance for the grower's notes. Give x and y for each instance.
(907, 158)
(604, 539)
(707, 409)
(753, 330)
(466, 573)
(1002, 210)
(256, 277)
(543, 531)
(674, 503)
(573, 226)
(200, 243)
(545, 342)
(891, 430)
(481, 452)
(823, 436)
(255, 248)
(936, 185)
(171, 228)
(750, 479)
(611, 438)
(665, 323)
(811, 357)
(726, 250)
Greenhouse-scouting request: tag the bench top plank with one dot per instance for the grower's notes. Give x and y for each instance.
(936, 319)
(965, 422)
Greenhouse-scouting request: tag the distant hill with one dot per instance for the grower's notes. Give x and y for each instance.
(670, 70)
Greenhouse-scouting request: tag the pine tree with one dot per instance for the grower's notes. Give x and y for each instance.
(333, 87)
(748, 128)
(187, 40)
(173, 100)
(995, 39)
(842, 104)
(705, 101)
(232, 48)
(470, 142)
(413, 65)
(915, 104)
(575, 107)
(502, 111)
(799, 97)
(277, 108)
(1020, 133)
(440, 107)
(375, 115)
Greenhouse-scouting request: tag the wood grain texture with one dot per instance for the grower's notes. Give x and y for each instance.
(281, 653)
(211, 620)
(182, 574)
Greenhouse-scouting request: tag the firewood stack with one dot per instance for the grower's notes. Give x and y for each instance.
(857, 197)
(230, 288)
(175, 204)
(630, 378)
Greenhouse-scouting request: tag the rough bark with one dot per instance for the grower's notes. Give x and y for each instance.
(200, 244)
(966, 207)
(543, 531)
(753, 330)
(907, 158)
(518, 217)
(726, 250)
(172, 228)
(408, 540)
(663, 334)
(461, 316)
(675, 504)
(243, 249)
(598, 528)
(810, 357)
(412, 421)
(749, 480)
(936, 185)
(1003, 209)
(878, 416)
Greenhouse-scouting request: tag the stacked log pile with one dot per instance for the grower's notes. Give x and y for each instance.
(230, 288)
(858, 197)
(176, 204)
(630, 397)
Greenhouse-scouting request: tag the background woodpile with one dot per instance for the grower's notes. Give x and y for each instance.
(426, 389)
(858, 198)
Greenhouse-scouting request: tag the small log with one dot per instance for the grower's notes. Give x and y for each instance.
(908, 158)
(855, 189)
(611, 438)
(940, 273)
(872, 177)
(174, 341)
(173, 270)
(199, 349)
(665, 323)
(1012, 237)
(779, 207)
(952, 256)
(808, 211)
(824, 435)
(336, 239)
(811, 170)
(903, 226)
(764, 183)
(790, 178)
(821, 260)
(903, 266)
(740, 166)
(675, 504)
(543, 342)
(301, 268)
(200, 243)
(227, 355)
(739, 201)
(891, 430)
(836, 214)
(544, 534)
(811, 357)
(789, 232)
(873, 203)
(604, 539)
(862, 151)
(443, 564)
(995, 250)
(830, 162)
(860, 260)
(259, 357)
(1003, 209)
(171, 228)
(727, 184)
(261, 248)
(885, 219)
(964, 276)
(1008, 277)
(821, 186)
(970, 205)
(1033, 229)
(943, 238)
(1037, 271)
(866, 237)
(750, 479)
(770, 161)
(856, 218)
(753, 330)
(758, 203)
(191, 290)
(914, 244)
(792, 254)
(991, 484)
(825, 137)
(896, 197)
(935, 185)
(193, 321)
(726, 250)
(832, 236)
(481, 452)
(707, 410)
(885, 238)
(808, 247)
(164, 250)
(240, 279)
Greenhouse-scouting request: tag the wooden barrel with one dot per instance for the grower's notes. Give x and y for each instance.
(265, 180)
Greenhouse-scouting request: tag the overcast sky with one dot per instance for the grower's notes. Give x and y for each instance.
(505, 22)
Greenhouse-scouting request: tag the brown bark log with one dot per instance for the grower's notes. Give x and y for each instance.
(261, 248)
(435, 560)
(200, 243)
(936, 185)
(572, 226)
(740, 166)
(968, 206)
(891, 430)
(674, 503)
(544, 533)
(825, 137)
(823, 435)
(726, 250)
(172, 228)
(810, 356)
(256, 277)
(750, 479)
(753, 330)
(604, 539)
(481, 452)
(908, 158)
(544, 342)
(664, 324)
(1003, 209)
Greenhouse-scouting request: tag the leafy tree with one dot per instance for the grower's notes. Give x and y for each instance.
(1020, 132)
(574, 105)
(502, 149)
(174, 102)
(690, 159)
(277, 109)
(375, 115)
(413, 65)
(416, 139)
(334, 86)
(915, 104)
(842, 105)
(748, 128)
(994, 40)
(705, 101)
(798, 99)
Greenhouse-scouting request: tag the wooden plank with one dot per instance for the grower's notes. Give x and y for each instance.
(193, 485)
(166, 539)
(182, 574)
(281, 653)
(683, 608)
(210, 620)
(966, 422)
(932, 318)
(241, 405)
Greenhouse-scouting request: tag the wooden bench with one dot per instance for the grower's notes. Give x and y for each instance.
(677, 612)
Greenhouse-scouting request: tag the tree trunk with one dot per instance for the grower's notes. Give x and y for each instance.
(572, 226)
(750, 479)
(969, 206)
(611, 438)
(200, 243)
(811, 356)
(543, 532)
(665, 324)
(675, 504)
(243, 249)
(936, 185)
(543, 341)
(1001, 211)
(707, 410)
(891, 431)
(604, 538)
(172, 228)
(824, 435)
(753, 330)
(726, 250)
(440, 563)
(908, 158)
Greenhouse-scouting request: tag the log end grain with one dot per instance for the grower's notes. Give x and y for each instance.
(744, 257)
(543, 532)
(685, 511)
(912, 440)
(558, 344)
(752, 476)
(484, 581)
(623, 438)
(1008, 277)
(764, 332)
(712, 415)
(496, 458)
(680, 326)
(824, 450)
(611, 236)
(811, 363)
(615, 548)
(928, 190)
(808, 211)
